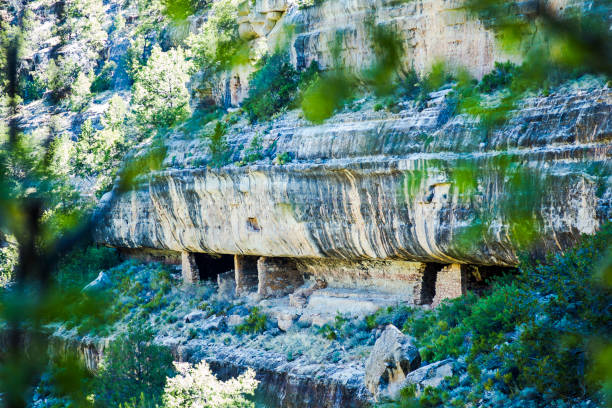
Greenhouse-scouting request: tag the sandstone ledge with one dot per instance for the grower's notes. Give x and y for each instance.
(362, 188)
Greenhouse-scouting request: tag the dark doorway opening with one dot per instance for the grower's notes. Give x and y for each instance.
(428, 284)
(211, 265)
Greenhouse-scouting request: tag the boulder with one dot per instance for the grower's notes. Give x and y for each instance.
(214, 324)
(285, 320)
(101, 283)
(430, 375)
(235, 320)
(391, 360)
(194, 316)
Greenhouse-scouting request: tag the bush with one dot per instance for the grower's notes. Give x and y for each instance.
(8, 261)
(60, 76)
(283, 158)
(133, 365)
(218, 46)
(80, 91)
(254, 323)
(419, 89)
(271, 88)
(501, 77)
(197, 386)
(219, 149)
(103, 80)
(32, 89)
(334, 331)
(96, 149)
(253, 152)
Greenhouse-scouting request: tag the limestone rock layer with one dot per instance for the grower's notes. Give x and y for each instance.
(387, 188)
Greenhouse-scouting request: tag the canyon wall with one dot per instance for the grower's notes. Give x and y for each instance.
(429, 31)
(379, 186)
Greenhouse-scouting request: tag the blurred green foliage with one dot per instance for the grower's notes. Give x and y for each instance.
(81, 265)
(217, 46)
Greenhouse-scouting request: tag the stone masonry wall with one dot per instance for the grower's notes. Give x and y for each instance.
(277, 276)
(245, 269)
(189, 268)
(451, 282)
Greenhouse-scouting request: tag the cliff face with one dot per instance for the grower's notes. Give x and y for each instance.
(384, 186)
(429, 30)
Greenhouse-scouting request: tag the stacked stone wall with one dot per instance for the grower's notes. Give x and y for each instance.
(277, 276)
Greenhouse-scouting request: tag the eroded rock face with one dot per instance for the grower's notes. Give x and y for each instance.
(392, 358)
(430, 375)
(429, 30)
(382, 187)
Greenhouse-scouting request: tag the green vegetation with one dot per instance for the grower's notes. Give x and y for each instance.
(160, 97)
(254, 323)
(82, 265)
(277, 86)
(336, 330)
(327, 93)
(218, 46)
(253, 152)
(501, 77)
(103, 79)
(271, 88)
(198, 386)
(283, 158)
(535, 330)
(59, 77)
(219, 150)
(8, 261)
(133, 366)
(544, 333)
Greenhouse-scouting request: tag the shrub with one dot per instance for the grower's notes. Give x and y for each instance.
(197, 386)
(417, 88)
(283, 158)
(160, 97)
(271, 88)
(32, 89)
(336, 330)
(136, 56)
(253, 152)
(8, 261)
(80, 91)
(96, 149)
(501, 77)
(254, 323)
(62, 151)
(133, 365)
(535, 330)
(219, 149)
(396, 316)
(103, 80)
(61, 74)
